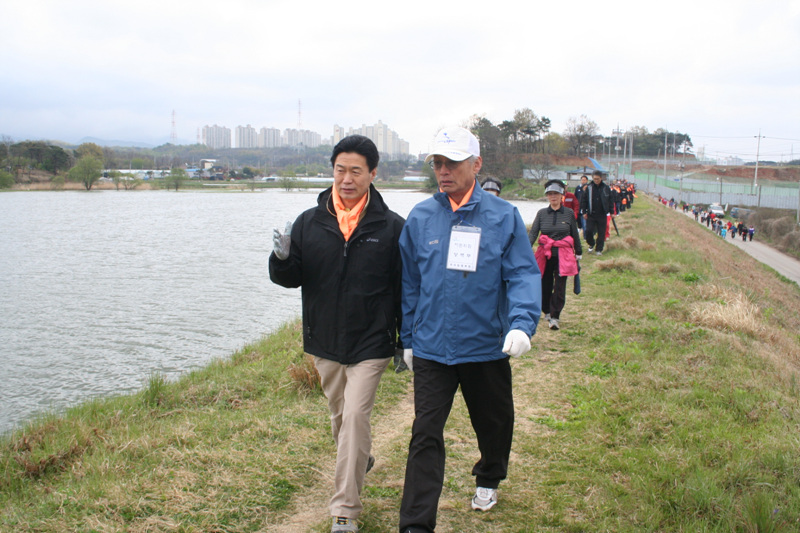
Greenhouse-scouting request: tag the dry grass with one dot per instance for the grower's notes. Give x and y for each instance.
(304, 374)
(669, 268)
(726, 309)
(621, 264)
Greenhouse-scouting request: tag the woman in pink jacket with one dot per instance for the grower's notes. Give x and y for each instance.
(558, 252)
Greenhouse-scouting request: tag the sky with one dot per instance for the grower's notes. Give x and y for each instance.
(724, 72)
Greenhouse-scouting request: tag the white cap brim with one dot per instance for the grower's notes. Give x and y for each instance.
(452, 155)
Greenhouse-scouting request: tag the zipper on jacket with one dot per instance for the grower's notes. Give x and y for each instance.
(346, 243)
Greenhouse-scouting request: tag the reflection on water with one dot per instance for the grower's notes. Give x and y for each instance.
(99, 290)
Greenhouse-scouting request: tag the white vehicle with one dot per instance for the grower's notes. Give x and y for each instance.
(717, 210)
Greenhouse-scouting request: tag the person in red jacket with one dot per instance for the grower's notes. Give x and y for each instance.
(571, 201)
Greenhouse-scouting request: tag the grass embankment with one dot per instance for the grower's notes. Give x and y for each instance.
(668, 402)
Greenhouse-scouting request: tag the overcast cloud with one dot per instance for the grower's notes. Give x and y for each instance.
(718, 70)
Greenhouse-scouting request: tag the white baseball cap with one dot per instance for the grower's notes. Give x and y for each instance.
(456, 144)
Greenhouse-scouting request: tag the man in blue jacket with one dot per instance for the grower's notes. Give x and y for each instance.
(471, 296)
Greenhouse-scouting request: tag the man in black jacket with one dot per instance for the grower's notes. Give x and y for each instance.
(579, 190)
(344, 255)
(596, 206)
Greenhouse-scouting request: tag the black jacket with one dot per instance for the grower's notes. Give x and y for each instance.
(351, 290)
(591, 193)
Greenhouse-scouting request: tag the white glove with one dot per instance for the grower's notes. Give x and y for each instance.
(408, 358)
(281, 243)
(517, 343)
(578, 257)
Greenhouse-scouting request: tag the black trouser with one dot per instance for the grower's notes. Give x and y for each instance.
(554, 287)
(598, 224)
(486, 388)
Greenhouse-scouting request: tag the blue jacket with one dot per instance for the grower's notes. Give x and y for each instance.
(454, 317)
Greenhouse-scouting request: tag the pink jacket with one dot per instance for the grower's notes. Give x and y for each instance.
(567, 264)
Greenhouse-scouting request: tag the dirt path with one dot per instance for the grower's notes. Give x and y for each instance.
(312, 507)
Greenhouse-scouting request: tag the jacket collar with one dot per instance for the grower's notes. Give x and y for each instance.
(374, 210)
(477, 195)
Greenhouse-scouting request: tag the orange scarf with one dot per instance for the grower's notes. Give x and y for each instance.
(464, 200)
(348, 218)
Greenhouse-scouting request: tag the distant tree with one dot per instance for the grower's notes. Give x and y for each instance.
(116, 178)
(5, 152)
(652, 144)
(287, 182)
(124, 179)
(34, 151)
(175, 178)
(87, 170)
(111, 157)
(525, 121)
(556, 144)
(493, 143)
(581, 133)
(248, 173)
(389, 169)
(6, 180)
(90, 149)
(56, 159)
(541, 168)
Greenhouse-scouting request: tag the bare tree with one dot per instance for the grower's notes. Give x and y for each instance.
(541, 168)
(581, 133)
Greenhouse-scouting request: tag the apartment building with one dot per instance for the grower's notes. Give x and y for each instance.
(387, 140)
(217, 136)
(246, 137)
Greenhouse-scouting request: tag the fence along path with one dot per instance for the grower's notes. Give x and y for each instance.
(694, 190)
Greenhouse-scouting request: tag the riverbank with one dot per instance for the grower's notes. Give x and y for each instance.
(240, 185)
(668, 402)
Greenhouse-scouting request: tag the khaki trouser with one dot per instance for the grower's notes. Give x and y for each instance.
(350, 390)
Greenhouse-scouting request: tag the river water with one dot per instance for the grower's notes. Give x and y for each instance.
(98, 290)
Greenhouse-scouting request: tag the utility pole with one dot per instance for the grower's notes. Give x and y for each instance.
(631, 153)
(616, 133)
(758, 151)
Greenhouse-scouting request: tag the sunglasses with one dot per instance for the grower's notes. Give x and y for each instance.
(451, 165)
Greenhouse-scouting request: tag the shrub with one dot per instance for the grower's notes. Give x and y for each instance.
(6, 180)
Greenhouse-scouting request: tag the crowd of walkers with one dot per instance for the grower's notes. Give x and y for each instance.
(716, 223)
(728, 229)
(556, 233)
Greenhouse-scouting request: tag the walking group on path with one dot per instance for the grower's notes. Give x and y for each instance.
(784, 264)
(451, 294)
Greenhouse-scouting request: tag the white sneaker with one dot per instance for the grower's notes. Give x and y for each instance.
(554, 323)
(484, 499)
(547, 317)
(591, 249)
